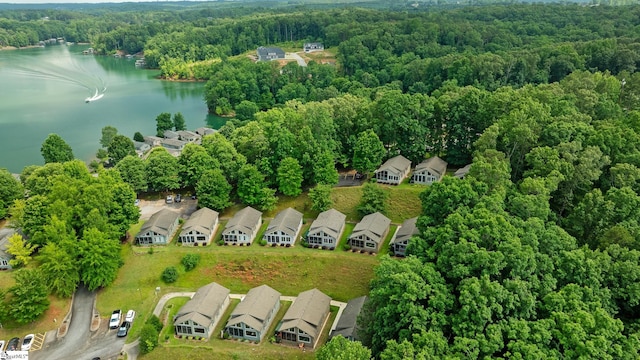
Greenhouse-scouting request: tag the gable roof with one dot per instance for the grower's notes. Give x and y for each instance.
(203, 306)
(186, 134)
(406, 231)
(308, 312)
(396, 164)
(4, 243)
(460, 173)
(254, 309)
(330, 222)
(244, 220)
(170, 134)
(263, 51)
(347, 325)
(435, 165)
(202, 221)
(160, 222)
(287, 221)
(373, 226)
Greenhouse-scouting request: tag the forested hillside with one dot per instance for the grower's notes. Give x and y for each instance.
(535, 254)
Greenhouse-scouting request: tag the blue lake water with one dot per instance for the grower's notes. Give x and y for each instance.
(43, 91)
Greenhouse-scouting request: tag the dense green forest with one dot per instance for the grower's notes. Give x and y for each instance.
(536, 254)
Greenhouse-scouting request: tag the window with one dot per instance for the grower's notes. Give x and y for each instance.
(305, 339)
(251, 333)
(199, 330)
(288, 336)
(236, 332)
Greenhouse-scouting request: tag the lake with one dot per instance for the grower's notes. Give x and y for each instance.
(43, 91)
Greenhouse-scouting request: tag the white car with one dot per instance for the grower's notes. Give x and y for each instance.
(2, 344)
(131, 314)
(27, 341)
(114, 322)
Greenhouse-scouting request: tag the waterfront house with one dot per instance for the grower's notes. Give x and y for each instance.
(159, 229)
(303, 322)
(462, 172)
(348, 324)
(327, 229)
(393, 171)
(250, 320)
(153, 140)
(400, 241)
(269, 53)
(243, 227)
(369, 233)
(199, 316)
(200, 228)
(429, 171)
(188, 136)
(311, 47)
(284, 228)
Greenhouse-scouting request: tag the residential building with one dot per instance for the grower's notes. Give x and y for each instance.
(393, 171)
(188, 136)
(4, 256)
(153, 140)
(159, 229)
(169, 134)
(327, 229)
(429, 171)
(462, 172)
(200, 315)
(370, 232)
(284, 228)
(303, 322)
(400, 241)
(311, 47)
(173, 144)
(269, 53)
(348, 324)
(141, 148)
(202, 131)
(243, 227)
(252, 317)
(200, 228)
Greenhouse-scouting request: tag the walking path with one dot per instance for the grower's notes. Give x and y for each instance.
(132, 349)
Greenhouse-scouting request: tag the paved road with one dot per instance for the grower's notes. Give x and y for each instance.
(298, 58)
(79, 342)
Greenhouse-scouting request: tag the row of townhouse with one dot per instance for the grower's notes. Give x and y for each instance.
(173, 141)
(253, 316)
(325, 232)
(431, 170)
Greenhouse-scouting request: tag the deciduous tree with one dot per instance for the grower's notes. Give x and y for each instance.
(132, 171)
(20, 249)
(28, 296)
(162, 170)
(163, 123)
(178, 122)
(119, 147)
(10, 190)
(320, 197)
(368, 152)
(55, 150)
(373, 199)
(340, 348)
(290, 177)
(99, 260)
(213, 189)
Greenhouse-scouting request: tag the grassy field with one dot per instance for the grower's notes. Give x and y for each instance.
(403, 202)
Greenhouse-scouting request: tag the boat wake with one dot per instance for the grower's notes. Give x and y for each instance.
(95, 96)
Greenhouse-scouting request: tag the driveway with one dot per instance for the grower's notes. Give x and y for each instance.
(297, 57)
(79, 342)
(149, 207)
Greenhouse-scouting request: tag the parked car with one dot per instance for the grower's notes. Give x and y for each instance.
(124, 329)
(131, 314)
(2, 343)
(12, 345)
(169, 199)
(137, 202)
(178, 198)
(114, 322)
(27, 341)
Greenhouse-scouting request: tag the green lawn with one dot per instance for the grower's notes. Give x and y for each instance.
(403, 202)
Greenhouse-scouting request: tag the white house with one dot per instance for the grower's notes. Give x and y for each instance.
(429, 171)
(199, 316)
(243, 227)
(284, 228)
(393, 171)
(326, 230)
(251, 319)
(159, 229)
(200, 228)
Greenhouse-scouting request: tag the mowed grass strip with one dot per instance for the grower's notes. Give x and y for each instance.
(403, 202)
(339, 274)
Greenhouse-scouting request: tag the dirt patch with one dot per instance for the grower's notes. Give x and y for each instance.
(149, 207)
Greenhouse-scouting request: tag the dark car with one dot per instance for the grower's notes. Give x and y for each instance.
(13, 344)
(124, 329)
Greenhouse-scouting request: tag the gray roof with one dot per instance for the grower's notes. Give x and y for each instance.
(202, 221)
(150, 139)
(347, 325)
(168, 134)
(373, 226)
(307, 313)
(434, 165)
(396, 164)
(287, 221)
(254, 309)
(185, 134)
(203, 306)
(160, 222)
(140, 145)
(263, 52)
(406, 231)
(202, 131)
(462, 172)
(173, 143)
(245, 220)
(330, 221)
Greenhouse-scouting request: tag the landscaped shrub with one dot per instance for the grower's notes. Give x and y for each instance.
(220, 242)
(155, 322)
(262, 242)
(148, 338)
(190, 261)
(170, 275)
